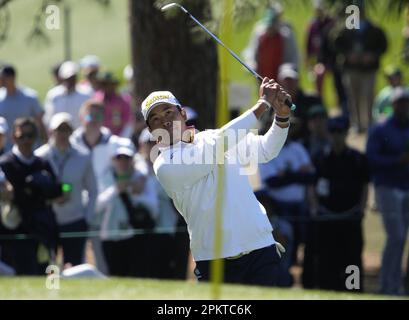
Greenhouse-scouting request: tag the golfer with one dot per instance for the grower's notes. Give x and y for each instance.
(249, 250)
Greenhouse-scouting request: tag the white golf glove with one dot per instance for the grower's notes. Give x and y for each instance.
(279, 248)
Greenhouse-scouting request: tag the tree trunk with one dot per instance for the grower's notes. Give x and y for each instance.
(168, 55)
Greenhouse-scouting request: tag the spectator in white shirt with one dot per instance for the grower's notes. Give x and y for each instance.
(65, 97)
(126, 202)
(247, 246)
(170, 245)
(101, 144)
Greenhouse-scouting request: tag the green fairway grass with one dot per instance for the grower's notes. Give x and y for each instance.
(35, 288)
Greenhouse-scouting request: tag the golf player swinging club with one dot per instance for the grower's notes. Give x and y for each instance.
(250, 253)
(249, 250)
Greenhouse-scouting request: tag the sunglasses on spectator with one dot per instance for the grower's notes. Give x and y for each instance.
(94, 117)
(27, 135)
(64, 129)
(122, 157)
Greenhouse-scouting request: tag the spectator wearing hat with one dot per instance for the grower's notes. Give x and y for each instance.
(118, 116)
(388, 154)
(288, 77)
(18, 102)
(382, 108)
(65, 97)
(317, 139)
(33, 185)
(125, 202)
(90, 65)
(101, 144)
(171, 249)
(338, 202)
(272, 43)
(73, 168)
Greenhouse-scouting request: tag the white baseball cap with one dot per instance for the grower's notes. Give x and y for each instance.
(287, 70)
(128, 73)
(67, 70)
(4, 127)
(157, 98)
(123, 151)
(60, 118)
(90, 61)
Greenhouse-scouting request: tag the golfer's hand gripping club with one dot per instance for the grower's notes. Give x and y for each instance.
(172, 5)
(272, 94)
(287, 101)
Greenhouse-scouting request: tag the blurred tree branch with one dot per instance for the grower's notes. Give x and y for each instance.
(38, 33)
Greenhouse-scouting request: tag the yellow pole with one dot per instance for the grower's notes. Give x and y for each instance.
(225, 33)
(217, 273)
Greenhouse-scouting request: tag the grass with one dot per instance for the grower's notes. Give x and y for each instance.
(34, 288)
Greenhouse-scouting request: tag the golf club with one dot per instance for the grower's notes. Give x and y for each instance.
(171, 5)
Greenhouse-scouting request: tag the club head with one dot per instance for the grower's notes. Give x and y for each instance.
(172, 5)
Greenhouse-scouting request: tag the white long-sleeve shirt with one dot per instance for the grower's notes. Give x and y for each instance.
(101, 155)
(74, 167)
(59, 100)
(193, 187)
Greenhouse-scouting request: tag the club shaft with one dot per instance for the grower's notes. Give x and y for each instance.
(254, 73)
(224, 46)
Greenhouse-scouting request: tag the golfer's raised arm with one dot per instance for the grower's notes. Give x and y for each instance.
(271, 95)
(262, 148)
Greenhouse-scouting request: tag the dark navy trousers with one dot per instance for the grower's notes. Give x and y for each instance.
(259, 267)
